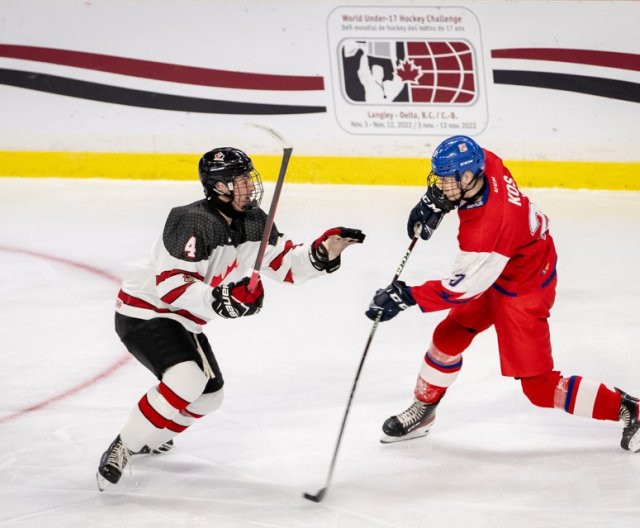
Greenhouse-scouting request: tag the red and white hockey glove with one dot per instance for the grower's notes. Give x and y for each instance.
(325, 250)
(235, 300)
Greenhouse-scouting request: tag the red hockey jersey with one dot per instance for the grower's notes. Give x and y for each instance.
(504, 243)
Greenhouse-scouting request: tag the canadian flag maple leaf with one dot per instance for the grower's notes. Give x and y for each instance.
(408, 71)
(217, 279)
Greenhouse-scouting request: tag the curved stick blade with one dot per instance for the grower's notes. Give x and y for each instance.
(285, 144)
(317, 497)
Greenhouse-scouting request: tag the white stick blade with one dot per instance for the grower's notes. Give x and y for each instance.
(285, 144)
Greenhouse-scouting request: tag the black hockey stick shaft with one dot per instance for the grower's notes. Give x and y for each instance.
(320, 495)
(286, 155)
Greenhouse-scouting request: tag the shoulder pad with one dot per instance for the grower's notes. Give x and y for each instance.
(192, 232)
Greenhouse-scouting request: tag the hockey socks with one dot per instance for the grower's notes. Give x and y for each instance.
(574, 395)
(162, 412)
(587, 398)
(437, 372)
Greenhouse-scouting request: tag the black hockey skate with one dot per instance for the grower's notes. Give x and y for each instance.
(630, 417)
(164, 448)
(415, 422)
(112, 464)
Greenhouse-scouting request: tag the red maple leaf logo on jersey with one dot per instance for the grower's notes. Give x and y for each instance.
(217, 279)
(408, 71)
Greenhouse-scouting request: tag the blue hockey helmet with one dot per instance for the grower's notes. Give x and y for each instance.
(456, 155)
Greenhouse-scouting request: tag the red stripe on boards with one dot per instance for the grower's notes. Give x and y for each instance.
(163, 71)
(608, 59)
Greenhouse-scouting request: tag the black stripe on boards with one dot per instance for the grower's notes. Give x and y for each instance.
(138, 98)
(610, 88)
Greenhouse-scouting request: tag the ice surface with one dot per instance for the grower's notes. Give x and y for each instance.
(492, 460)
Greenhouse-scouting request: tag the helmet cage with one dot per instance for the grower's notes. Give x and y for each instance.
(258, 189)
(452, 158)
(435, 180)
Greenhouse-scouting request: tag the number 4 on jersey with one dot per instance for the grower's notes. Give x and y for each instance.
(190, 247)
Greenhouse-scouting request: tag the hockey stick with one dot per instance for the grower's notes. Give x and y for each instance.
(287, 149)
(321, 494)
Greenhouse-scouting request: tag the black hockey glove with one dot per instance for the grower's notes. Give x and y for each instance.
(324, 252)
(390, 301)
(429, 212)
(235, 300)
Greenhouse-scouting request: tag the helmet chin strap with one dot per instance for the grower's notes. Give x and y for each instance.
(470, 185)
(226, 208)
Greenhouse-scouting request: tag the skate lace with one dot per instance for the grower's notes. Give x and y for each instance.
(119, 456)
(412, 415)
(625, 416)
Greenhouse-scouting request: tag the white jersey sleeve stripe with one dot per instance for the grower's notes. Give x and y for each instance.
(474, 272)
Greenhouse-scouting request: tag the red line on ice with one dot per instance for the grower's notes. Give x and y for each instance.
(94, 379)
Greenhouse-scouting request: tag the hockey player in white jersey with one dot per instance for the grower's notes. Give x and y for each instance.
(186, 283)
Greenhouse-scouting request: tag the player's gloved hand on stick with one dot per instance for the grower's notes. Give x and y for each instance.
(235, 300)
(390, 301)
(325, 250)
(428, 212)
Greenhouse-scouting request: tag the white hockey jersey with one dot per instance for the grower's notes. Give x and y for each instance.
(198, 251)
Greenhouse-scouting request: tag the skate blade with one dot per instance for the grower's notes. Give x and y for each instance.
(103, 483)
(634, 443)
(416, 433)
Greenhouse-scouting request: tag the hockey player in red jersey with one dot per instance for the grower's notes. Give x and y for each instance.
(503, 276)
(198, 271)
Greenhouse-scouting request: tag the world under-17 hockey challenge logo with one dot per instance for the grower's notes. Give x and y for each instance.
(393, 71)
(403, 70)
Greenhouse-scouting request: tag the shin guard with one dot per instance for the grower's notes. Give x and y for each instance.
(574, 395)
(437, 372)
(203, 405)
(157, 410)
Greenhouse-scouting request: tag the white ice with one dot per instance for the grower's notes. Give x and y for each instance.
(492, 460)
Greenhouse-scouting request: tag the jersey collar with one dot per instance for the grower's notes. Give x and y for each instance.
(481, 199)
